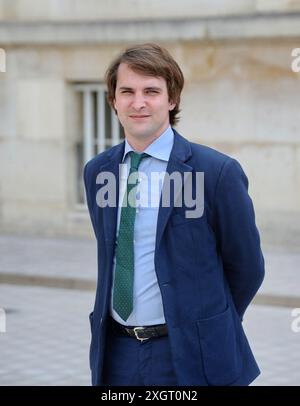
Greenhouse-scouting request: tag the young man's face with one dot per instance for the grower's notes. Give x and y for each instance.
(142, 104)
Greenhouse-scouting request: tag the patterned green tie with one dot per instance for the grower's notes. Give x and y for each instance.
(124, 272)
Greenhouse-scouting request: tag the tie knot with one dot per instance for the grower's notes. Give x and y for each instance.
(136, 159)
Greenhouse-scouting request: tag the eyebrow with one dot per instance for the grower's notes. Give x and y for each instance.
(146, 88)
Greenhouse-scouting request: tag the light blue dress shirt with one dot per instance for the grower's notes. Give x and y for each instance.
(147, 300)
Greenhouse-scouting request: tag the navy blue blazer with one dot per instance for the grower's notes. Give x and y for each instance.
(208, 268)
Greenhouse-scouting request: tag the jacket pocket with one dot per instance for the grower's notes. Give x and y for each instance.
(219, 347)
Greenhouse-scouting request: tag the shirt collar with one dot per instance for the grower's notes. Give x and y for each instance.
(159, 149)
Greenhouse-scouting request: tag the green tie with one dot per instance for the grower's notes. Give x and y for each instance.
(124, 272)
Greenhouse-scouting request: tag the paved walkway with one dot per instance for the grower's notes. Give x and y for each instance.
(47, 291)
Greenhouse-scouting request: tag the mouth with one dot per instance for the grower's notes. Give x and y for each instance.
(139, 117)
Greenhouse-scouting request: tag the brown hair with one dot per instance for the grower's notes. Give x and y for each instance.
(153, 60)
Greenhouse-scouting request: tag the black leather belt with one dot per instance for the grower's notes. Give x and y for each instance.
(140, 333)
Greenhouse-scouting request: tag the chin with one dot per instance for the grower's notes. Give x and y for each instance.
(141, 134)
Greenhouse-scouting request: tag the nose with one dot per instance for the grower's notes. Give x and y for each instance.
(138, 101)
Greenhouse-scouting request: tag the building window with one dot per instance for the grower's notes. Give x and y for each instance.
(100, 128)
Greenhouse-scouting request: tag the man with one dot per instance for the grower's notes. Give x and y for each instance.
(172, 287)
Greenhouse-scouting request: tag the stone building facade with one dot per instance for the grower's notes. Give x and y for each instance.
(241, 97)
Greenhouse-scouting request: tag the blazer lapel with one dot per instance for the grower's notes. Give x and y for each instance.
(180, 153)
(110, 213)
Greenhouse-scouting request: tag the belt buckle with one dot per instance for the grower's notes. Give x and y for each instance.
(136, 332)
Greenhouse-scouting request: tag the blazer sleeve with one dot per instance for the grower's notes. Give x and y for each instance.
(237, 235)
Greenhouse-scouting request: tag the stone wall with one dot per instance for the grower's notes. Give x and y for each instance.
(72, 10)
(241, 97)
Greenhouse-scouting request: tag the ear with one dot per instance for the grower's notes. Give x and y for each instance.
(171, 106)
